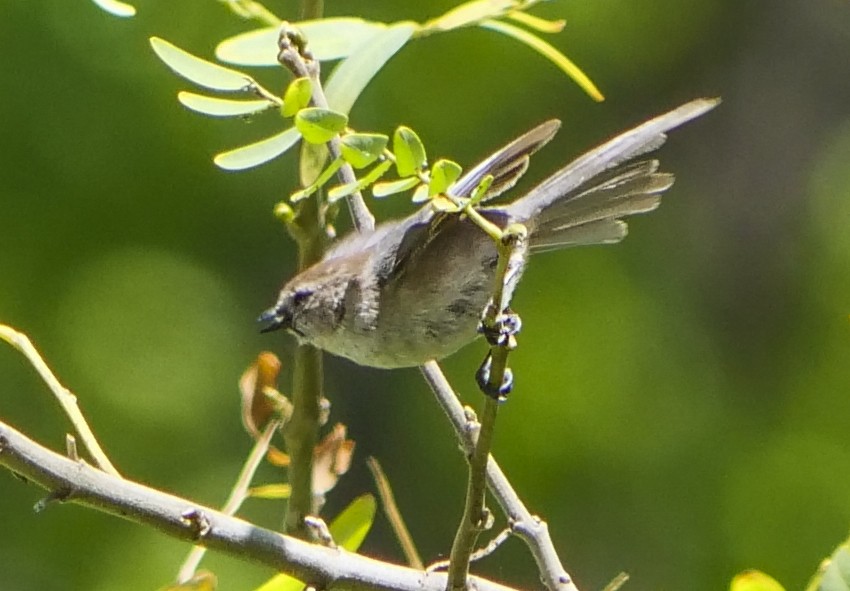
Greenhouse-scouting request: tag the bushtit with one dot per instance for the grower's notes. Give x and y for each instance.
(414, 289)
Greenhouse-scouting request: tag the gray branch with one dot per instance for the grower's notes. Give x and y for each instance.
(77, 482)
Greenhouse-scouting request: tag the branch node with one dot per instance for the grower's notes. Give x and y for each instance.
(197, 521)
(319, 530)
(482, 377)
(71, 448)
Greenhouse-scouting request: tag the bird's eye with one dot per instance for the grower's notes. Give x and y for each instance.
(300, 296)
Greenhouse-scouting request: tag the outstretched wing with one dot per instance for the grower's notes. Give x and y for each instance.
(508, 164)
(583, 203)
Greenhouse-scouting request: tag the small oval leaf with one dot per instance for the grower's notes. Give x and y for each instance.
(198, 70)
(116, 8)
(319, 125)
(327, 38)
(353, 74)
(753, 580)
(409, 151)
(297, 96)
(443, 174)
(259, 152)
(362, 149)
(217, 107)
(270, 491)
(420, 195)
(392, 187)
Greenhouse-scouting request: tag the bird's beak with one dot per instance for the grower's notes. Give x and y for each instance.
(272, 319)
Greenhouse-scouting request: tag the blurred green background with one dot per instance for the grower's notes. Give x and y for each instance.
(681, 410)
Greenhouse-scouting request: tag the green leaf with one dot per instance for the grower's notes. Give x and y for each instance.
(753, 580)
(362, 149)
(328, 39)
(337, 193)
(297, 96)
(349, 529)
(271, 491)
(311, 162)
(116, 8)
(259, 152)
(443, 174)
(320, 181)
(352, 75)
(443, 203)
(547, 51)
(470, 13)
(320, 125)
(392, 187)
(217, 107)
(834, 573)
(420, 195)
(409, 151)
(199, 71)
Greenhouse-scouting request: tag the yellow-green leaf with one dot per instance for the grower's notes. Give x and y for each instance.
(537, 23)
(352, 75)
(362, 149)
(470, 13)
(420, 195)
(443, 174)
(271, 491)
(409, 151)
(218, 107)
(392, 187)
(116, 8)
(327, 39)
(547, 51)
(443, 203)
(258, 152)
(297, 96)
(317, 126)
(198, 70)
(834, 572)
(753, 580)
(350, 527)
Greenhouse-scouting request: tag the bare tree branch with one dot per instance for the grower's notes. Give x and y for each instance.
(78, 482)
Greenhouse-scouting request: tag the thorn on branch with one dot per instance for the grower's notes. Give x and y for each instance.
(60, 495)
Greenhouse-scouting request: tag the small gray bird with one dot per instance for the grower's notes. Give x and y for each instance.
(414, 289)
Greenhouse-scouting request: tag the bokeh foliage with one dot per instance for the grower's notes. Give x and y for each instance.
(681, 409)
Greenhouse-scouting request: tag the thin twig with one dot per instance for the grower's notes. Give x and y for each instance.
(385, 491)
(191, 522)
(237, 496)
(292, 56)
(476, 518)
(66, 399)
(529, 528)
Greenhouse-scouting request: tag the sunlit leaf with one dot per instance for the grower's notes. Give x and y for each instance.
(218, 107)
(320, 125)
(311, 162)
(259, 152)
(443, 174)
(362, 149)
(198, 70)
(257, 408)
(116, 8)
(753, 580)
(349, 529)
(537, 23)
(297, 96)
(270, 491)
(443, 203)
(327, 39)
(470, 13)
(392, 187)
(409, 151)
(420, 195)
(324, 176)
(352, 75)
(834, 572)
(547, 51)
(347, 189)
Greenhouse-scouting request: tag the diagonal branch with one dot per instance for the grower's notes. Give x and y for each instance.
(180, 518)
(529, 528)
